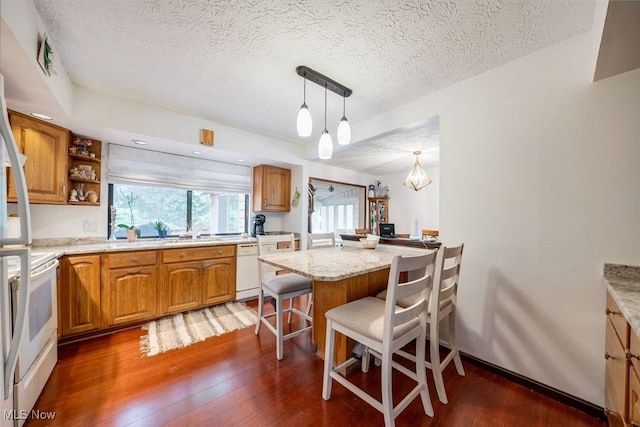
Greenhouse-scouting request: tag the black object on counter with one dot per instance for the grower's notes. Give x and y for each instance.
(257, 227)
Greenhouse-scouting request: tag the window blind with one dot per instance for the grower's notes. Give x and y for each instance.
(129, 165)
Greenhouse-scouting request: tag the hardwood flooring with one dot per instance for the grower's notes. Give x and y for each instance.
(235, 379)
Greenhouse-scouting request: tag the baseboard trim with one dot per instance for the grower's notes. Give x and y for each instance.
(568, 399)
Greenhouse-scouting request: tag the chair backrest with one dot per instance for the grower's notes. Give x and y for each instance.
(420, 271)
(432, 233)
(446, 287)
(318, 240)
(362, 230)
(269, 244)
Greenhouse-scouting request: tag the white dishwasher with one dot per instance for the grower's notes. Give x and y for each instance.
(247, 280)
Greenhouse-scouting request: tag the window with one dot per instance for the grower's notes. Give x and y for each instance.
(337, 207)
(208, 212)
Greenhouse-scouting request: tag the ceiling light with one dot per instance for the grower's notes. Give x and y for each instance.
(325, 146)
(344, 130)
(42, 116)
(417, 178)
(137, 141)
(241, 160)
(197, 152)
(304, 122)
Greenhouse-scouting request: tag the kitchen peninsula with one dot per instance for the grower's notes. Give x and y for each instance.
(339, 275)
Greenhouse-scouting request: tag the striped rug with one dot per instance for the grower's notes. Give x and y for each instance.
(184, 329)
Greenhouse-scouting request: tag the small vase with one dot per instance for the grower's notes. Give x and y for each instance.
(162, 233)
(132, 235)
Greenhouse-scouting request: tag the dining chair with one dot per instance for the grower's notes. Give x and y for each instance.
(383, 328)
(430, 233)
(280, 286)
(444, 297)
(362, 230)
(318, 240)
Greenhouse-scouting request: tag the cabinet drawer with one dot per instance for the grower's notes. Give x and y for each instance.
(131, 259)
(618, 321)
(193, 254)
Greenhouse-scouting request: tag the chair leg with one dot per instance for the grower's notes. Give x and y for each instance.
(452, 342)
(387, 397)
(365, 359)
(436, 367)
(279, 328)
(290, 310)
(260, 303)
(328, 361)
(309, 304)
(421, 374)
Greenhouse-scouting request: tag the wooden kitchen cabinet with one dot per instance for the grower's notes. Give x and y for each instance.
(271, 189)
(129, 292)
(616, 365)
(634, 380)
(84, 160)
(45, 146)
(80, 294)
(195, 277)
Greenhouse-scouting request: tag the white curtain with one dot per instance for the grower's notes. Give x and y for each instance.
(135, 166)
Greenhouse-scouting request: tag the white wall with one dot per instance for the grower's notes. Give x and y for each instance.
(539, 178)
(405, 204)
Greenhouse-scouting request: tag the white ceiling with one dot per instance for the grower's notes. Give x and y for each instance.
(234, 62)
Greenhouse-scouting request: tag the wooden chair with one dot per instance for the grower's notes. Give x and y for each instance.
(383, 328)
(281, 287)
(430, 233)
(318, 240)
(444, 297)
(362, 230)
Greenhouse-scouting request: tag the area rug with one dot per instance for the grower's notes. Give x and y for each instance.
(184, 329)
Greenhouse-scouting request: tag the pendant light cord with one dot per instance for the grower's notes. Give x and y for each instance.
(325, 107)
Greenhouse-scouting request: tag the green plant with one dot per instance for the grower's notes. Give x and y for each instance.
(159, 225)
(130, 198)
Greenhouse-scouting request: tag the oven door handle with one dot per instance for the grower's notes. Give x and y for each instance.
(23, 300)
(44, 272)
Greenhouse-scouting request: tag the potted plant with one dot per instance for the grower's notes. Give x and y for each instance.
(132, 232)
(161, 227)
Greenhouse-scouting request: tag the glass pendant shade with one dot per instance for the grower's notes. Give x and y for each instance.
(304, 123)
(344, 132)
(325, 146)
(417, 178)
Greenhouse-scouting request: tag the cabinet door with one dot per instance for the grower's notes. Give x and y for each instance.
(130, 295)
(271, 189)
(45, 170)
(80, 294)
(634, 396)
(616, 368)
(218, 281)
(180, 288)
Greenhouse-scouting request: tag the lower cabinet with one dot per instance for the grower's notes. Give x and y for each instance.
(80, 294)
(195, 277)
(129, 291)
(106, 291)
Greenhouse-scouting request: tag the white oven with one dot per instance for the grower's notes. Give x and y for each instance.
(38, 353)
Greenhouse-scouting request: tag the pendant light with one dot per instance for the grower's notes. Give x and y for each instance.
(344, 130)
(304, 123)
(325, 146)
(417, 178)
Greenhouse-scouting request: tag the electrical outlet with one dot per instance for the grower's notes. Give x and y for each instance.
(89, 226)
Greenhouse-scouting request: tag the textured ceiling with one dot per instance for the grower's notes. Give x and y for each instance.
(234, 61)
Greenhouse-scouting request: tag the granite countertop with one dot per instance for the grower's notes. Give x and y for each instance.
(623, 282)
(333, 264)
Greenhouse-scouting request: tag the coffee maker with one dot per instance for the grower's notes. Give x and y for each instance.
(257, 227)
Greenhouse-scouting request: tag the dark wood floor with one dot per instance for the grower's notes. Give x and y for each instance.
(235, 379)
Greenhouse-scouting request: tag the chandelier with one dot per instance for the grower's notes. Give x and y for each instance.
(417, 178)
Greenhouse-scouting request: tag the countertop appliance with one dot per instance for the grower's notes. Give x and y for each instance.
(247, 271)
(12, 319)
(257, 227)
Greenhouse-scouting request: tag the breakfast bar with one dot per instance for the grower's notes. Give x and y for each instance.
(339, 275)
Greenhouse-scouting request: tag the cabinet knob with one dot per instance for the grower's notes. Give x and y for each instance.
(181, 255)
(608, 311)
(219, 252)
(608, 356)
(630, 355)
(134, 259)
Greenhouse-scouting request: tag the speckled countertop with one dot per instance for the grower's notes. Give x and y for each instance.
(623, 282)
(332, 264)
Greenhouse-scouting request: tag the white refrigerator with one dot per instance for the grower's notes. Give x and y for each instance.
(11, 330)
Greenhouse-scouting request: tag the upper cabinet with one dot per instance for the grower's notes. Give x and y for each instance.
(271, 189)
(45, 146)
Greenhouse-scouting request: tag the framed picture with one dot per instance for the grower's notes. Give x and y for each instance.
(45, 56)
